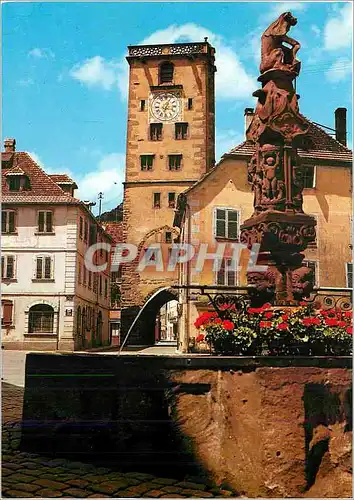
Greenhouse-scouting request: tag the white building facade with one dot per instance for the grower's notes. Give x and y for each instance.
(50, 300)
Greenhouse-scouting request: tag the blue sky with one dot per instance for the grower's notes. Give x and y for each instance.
(65, 74)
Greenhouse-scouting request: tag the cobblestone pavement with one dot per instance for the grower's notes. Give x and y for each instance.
(28, 475)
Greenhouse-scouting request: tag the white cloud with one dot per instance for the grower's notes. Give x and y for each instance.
(108, 178)
(316, 30)
(281, 7)
(97, 72)
(232, 80)
(339, 28)
(226, 140)
(25, 82)
(339, 70)
(41, 53)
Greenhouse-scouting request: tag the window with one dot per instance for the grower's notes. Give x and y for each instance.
(45, 222)
(168, 237)
(79, 274)
(86, 231)
(226, 223)
(41, 319)
(155, 131)
(81, 228)
(44, 268)
(190, 103)
(146, 162)
(106, 288)
(171, 200)
(157, 200)
(8, 267)
(181, 130)
(142, 105)
(90, 279)
(174, 162)
(6, 312)
(226, 274)
(14, 182)
(85, 276)
(349, 274)
(309, 176)
(166, 72)
(8, 221)
(311, 264)
(78, 321)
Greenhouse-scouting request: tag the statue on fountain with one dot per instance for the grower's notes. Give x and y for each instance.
(275, 55)
(279, 223)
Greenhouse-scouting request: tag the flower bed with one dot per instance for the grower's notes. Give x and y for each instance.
(305, 331)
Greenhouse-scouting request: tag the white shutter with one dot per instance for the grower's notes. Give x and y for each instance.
(52, 267)
(34, 274)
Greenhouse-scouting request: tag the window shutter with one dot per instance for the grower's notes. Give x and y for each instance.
(49, 222)
(10, 267)
(93, 234)
(232, 224)
(40, 222)
(11, 216)
(220, 223)
(3, 221)
(7, 307)
(2, 267)
(47, 267)
(81, 227)
(39, 268)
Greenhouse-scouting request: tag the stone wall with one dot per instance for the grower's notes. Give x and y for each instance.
(265, 427)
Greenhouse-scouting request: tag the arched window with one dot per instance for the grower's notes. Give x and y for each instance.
(78, 321)
(166, 72)
(41, 319)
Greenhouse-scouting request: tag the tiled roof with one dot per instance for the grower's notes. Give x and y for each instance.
(115, 229)
(61, 178)
(323, 147)
(43, 188)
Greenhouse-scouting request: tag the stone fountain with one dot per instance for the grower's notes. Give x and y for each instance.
(278, 223)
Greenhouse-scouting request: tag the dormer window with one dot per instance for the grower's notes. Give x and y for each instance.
(166, 72)
(17, 180)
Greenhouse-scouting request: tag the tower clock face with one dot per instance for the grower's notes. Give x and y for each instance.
(165, 107)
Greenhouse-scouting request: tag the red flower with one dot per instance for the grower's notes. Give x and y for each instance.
(283, 326)
(348, 314)
(217, 321)
(331, 321)
(342, 323)
(228, 325)
(316, 321)
(303, 303)
(267, 305)
(350, 330)
(254, 310)
(268, 314)
(323, 312)
(285, 317)
(223, 307)
(307, 321)
(331, 312)
(265, 324)
(200, 338)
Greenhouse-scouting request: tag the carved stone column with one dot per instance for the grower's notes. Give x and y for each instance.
(278, 223)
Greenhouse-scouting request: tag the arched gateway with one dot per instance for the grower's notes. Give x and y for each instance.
(142, 320)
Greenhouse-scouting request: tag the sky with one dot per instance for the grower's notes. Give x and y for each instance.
(65, 76)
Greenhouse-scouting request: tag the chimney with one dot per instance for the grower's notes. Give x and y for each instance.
(10, 145)
(341, 125)
(249, 114)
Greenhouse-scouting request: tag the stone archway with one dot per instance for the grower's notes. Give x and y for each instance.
(143, 332)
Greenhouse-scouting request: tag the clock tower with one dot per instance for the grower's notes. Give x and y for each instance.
(170, 145)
